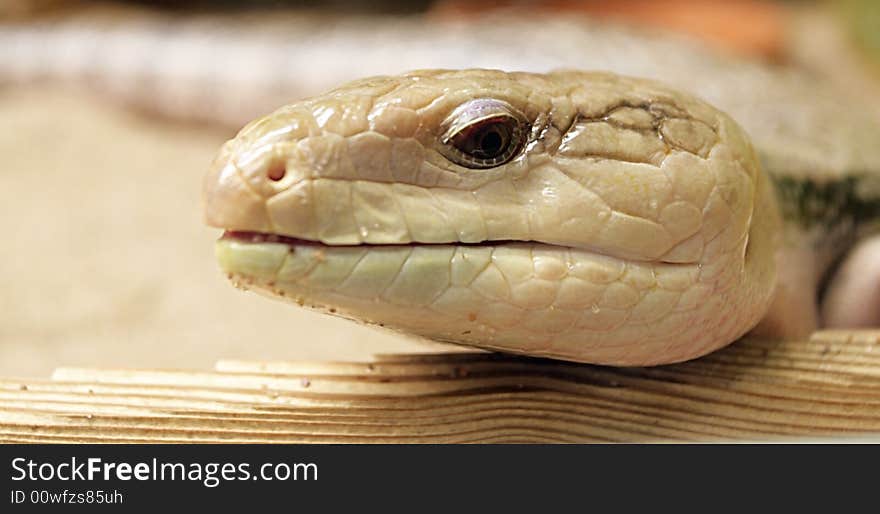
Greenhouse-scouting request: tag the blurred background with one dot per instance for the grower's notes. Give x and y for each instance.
(111, 111)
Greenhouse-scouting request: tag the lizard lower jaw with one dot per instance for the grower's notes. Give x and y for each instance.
(523, 297)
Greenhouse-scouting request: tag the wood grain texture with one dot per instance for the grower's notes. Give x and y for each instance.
(754, 390)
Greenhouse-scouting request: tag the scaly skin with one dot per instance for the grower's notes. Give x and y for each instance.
(634, 228)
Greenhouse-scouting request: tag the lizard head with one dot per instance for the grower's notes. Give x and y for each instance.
(582, 216)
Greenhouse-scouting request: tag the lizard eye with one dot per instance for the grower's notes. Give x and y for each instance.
(483, 133)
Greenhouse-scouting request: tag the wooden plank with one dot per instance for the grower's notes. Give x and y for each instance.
(754, 390)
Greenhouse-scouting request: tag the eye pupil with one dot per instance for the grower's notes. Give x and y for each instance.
(491, 143)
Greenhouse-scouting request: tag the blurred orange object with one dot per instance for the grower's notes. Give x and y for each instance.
(750, 27)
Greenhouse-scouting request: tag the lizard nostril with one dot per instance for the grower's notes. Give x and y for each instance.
(276, 172)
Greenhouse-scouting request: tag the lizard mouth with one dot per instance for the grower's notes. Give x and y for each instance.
(243, 236)
(246, 237)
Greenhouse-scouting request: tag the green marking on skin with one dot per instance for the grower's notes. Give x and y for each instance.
(827, 204)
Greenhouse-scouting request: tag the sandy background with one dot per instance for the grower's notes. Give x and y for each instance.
(106, 262)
